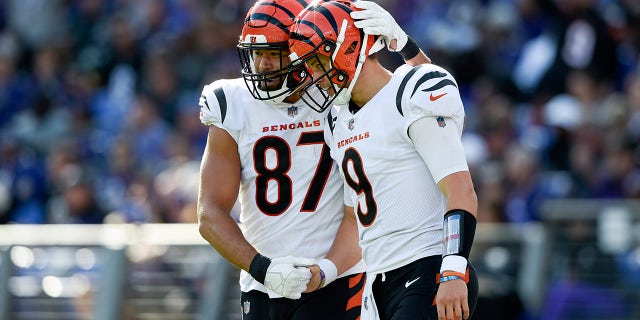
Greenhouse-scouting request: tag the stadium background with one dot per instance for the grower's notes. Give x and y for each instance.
(100, 145)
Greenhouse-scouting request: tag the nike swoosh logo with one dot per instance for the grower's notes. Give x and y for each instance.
(434, 98)
(406, 285)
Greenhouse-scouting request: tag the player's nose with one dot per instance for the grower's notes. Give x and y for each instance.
(266, 64)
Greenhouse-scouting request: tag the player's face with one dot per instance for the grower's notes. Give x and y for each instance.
(267, 60)
(319, 66)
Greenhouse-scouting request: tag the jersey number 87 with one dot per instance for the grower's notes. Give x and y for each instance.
(279, 173)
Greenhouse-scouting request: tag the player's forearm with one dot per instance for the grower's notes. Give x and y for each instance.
(223, 233)
(218, 191)
(460, 193)
(345, 251)
(420, 58)
(412, 54)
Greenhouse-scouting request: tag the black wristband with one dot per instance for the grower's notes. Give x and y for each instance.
(459, 231)
(258, 267)
(410, 50)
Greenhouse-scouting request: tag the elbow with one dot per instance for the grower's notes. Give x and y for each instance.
(474, 202)
(471, 200)
(211, 223)
(202, 228)
(204, 224)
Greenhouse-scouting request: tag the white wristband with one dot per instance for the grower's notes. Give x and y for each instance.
(454, 263)
(330, 271)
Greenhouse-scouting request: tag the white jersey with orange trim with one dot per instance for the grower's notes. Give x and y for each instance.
(395, 196)
(291, 194)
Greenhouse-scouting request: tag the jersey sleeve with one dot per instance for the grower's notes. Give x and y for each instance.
(216, 107)
(213, 105)
(429, 134)
(430, 91)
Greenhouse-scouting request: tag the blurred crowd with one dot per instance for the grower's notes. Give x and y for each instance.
(99, 115)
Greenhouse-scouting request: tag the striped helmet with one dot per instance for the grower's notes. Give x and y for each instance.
(266, 32)
(327, 29)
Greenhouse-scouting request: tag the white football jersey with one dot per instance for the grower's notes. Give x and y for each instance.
(398, 204)
(291, 194)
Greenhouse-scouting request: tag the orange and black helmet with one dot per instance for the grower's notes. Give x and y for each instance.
(266, 27)
(326, 28)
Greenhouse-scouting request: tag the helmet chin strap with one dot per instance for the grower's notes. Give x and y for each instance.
(343, 98)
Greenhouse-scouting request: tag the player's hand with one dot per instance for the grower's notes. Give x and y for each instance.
(288, 276)
(375, 20)
(323, 273)
(452, 301)
(315, 280)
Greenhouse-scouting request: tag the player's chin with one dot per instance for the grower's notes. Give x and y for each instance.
(325, 86)
(270, 85)
(331, 91)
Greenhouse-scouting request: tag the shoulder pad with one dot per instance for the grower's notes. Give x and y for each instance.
(221, 103)
(428, 90)
(213, 104)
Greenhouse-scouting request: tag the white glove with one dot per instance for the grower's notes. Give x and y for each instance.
(375, 20)
(288, 276)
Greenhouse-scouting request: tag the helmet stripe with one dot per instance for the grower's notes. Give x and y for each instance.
(268, 18)
(330, 19)
(303, 3)
(315, 28)
(327, 14)
(283, 8)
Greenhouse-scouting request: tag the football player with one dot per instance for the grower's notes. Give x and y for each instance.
(397, 140)
(266, 149)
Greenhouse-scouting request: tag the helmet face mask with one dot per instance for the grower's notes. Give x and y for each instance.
(327, 82)
(326, 31)
(263, 50)
(264, 84)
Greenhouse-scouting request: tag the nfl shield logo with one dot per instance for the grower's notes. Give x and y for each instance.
(441, 122)
(352, 124)
(292, 111)
(246, 307)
